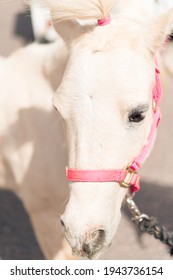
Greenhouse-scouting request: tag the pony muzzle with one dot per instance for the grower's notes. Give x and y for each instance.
(88, 245)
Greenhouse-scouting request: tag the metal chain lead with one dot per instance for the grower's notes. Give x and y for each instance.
(137, 216)
(149, 224)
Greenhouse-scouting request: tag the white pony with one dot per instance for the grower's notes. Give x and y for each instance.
(104, 99)
(106, 104)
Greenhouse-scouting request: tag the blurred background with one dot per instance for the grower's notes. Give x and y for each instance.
(17, 240)
(15, 26)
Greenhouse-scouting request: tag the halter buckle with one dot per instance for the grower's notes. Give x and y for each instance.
(154, 105)
(127, 180)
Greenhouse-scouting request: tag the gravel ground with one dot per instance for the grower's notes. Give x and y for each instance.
(17, 239)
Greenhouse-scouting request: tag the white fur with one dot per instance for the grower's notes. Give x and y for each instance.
(90, 9)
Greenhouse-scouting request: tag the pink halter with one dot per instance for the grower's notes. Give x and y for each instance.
(128, 177)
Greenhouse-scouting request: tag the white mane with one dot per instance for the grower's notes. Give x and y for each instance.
(79, 9)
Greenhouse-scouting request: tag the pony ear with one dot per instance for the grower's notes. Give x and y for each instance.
(158, 30)
(69, 30)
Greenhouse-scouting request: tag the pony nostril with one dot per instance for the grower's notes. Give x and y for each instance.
(62, 223)
(94, 243)
(86, 248)
(98, 235)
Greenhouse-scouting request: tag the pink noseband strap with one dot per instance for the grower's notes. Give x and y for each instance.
(122, 176)
(127, 177)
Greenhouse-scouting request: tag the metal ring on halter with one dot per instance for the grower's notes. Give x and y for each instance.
(127, 181)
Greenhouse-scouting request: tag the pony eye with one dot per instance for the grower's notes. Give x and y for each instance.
(136, 116)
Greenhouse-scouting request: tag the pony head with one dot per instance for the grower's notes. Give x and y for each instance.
(105, 100)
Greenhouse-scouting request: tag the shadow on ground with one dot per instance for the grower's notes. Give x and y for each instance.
(17, 240)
